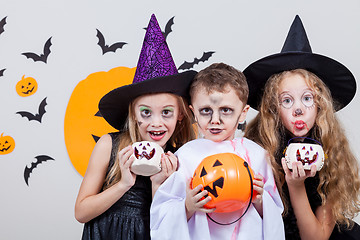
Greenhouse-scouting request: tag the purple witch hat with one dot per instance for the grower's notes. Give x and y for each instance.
(155, 73)
(155, 57)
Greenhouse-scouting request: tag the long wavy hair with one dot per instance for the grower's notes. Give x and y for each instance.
(339, 178)
(183, 133)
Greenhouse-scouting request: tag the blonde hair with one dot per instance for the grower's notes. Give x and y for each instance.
(183, 133)
(339, 179)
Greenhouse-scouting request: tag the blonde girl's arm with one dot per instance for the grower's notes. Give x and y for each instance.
(311, 226)
(90, 202)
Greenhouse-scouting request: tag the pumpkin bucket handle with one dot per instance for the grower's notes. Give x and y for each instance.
(248, 206)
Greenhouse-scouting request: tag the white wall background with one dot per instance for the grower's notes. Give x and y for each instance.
(240, 32)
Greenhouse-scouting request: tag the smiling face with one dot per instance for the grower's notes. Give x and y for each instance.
(7, 144)
(218, 113)
(296, 105)
(156, 116)
(26, 86)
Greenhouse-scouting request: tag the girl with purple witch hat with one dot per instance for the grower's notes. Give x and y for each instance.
(113, 202)
(297, 93)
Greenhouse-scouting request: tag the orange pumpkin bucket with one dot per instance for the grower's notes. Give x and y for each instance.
(227, 178)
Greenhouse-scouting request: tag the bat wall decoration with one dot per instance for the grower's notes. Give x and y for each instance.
(189, 65)
(38, 116)
(106, 48)
(43, 56)
(167, 27)
(2, 24)
(2, 72)
(39, 159)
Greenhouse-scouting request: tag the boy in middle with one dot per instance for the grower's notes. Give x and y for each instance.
(218, 100)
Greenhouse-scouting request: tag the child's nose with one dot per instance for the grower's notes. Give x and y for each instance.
(298, 108)
(156, 121)
(215, 118)
(298, 112)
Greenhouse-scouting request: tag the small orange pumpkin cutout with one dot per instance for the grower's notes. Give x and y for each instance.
(7, 144)
(26, 86)
(227, 180)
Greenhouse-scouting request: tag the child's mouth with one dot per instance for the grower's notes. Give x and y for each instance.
(215, 130)
(299, 124)
(157, 136)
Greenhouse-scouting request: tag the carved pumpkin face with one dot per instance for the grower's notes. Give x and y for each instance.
(7, 144)
(26, 86)
(306, 153)
(83, 124)
(147, 158)
(227, 180)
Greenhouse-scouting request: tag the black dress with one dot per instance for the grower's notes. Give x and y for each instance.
(129, 217)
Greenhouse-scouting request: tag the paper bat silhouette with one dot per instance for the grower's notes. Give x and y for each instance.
(28, 170)
(37, 116)
(2, 24)
(106, 48)
(204, 57)
(2, 72)
(43, 56)
(167, 27)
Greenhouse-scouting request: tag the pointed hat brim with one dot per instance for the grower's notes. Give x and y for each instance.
(335, 75)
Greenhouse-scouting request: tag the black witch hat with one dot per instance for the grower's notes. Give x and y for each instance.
(297, 54)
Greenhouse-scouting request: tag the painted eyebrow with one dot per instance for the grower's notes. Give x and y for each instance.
(142, 108)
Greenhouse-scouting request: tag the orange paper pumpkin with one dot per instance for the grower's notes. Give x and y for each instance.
(7, 144)
(26, 86)
(227, 180)
(83, 123)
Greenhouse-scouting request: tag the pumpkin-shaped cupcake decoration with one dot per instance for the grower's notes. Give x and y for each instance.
(307, 153)
(227, 178)
(147, 158)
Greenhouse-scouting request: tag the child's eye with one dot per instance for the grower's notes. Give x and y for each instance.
(286, 102)
(205, 111)
(145, 112)
(308, 99)
(226, 110)
(168, 112)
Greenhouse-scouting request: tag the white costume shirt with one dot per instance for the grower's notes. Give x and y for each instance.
(168, 215)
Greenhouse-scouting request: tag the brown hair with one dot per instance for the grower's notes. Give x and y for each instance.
(183, 133)
(339, 179)
(217, 77)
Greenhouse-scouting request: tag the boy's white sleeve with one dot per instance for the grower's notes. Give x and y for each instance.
(273, 227)
(167, 214)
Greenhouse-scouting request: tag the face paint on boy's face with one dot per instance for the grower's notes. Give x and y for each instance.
(157, 116)
(297, 108)
(218, 113)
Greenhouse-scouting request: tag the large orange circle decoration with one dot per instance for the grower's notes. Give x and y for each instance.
(227, 179)
(83, 125)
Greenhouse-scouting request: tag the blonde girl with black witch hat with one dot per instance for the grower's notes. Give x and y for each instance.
(113, 202)
(297, 93)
